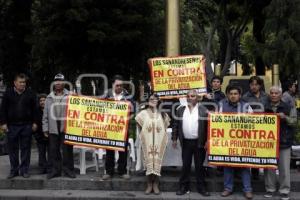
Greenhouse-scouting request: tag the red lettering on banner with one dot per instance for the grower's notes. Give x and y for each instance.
(73, 114)
(158, 73)
(86, 132)
(107, 118)
(233, 152)
(251, 134)
(248, 152)
(215, 132)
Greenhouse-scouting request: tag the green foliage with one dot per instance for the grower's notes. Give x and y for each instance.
(78, 36)
(282, 30)
(43, 37)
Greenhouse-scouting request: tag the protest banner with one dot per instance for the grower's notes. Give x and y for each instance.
(96, 122)
(298, 103)
(172, 77)
(243, 140)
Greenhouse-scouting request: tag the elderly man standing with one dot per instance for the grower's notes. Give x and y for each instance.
(53, 127)
(190, 128)
(288, 118)
(19, 118)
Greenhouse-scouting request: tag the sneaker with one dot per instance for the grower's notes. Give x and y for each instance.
(125, 176)
(269, 195)
(284, 196)
(106, 177)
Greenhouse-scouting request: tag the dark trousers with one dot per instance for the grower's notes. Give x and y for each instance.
(44, 151)
(19, 137)
(189, 149)
(110, 162)
(60, 161)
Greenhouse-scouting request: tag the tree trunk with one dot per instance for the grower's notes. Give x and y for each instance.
(226, 65)
(209, 71)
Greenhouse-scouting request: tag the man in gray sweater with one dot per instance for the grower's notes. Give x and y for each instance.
(53, 127)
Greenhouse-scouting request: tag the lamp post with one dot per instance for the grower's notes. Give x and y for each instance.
(172, 28)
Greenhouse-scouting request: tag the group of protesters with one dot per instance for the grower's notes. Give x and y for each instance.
(21, 118)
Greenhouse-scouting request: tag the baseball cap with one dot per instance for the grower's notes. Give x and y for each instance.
(59, 77)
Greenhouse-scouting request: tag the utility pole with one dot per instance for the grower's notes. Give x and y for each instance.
(172, 28)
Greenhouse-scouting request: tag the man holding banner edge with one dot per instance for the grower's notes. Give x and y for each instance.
(233, 104)
(117, 93)
(288, 118)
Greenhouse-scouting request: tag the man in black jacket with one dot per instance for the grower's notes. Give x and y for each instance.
(190, 127)
(288, 118)
(117, 93)
(214, 94)
(18, 117)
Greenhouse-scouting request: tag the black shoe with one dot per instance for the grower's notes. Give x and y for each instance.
(69, 174)
(25, 175)
(182, 191)
(204, 193)
(12, 175)
(53, 175)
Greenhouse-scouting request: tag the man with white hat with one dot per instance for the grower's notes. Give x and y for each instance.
(53, 127)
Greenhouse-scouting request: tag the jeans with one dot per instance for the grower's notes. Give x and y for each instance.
(229, 175)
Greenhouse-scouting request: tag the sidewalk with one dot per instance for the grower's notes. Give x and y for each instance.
(91, 186)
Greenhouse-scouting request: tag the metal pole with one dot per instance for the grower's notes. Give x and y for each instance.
(217, 70)
(172, 28)
(275, 74)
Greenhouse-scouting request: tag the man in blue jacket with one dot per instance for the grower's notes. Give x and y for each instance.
(234, 104)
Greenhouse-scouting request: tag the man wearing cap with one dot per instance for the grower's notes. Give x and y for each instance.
(18, 117)
(53, 127)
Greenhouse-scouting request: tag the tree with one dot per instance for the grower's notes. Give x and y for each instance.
(95, 36)
(282, 32)
(220, 23)
(15, 27)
